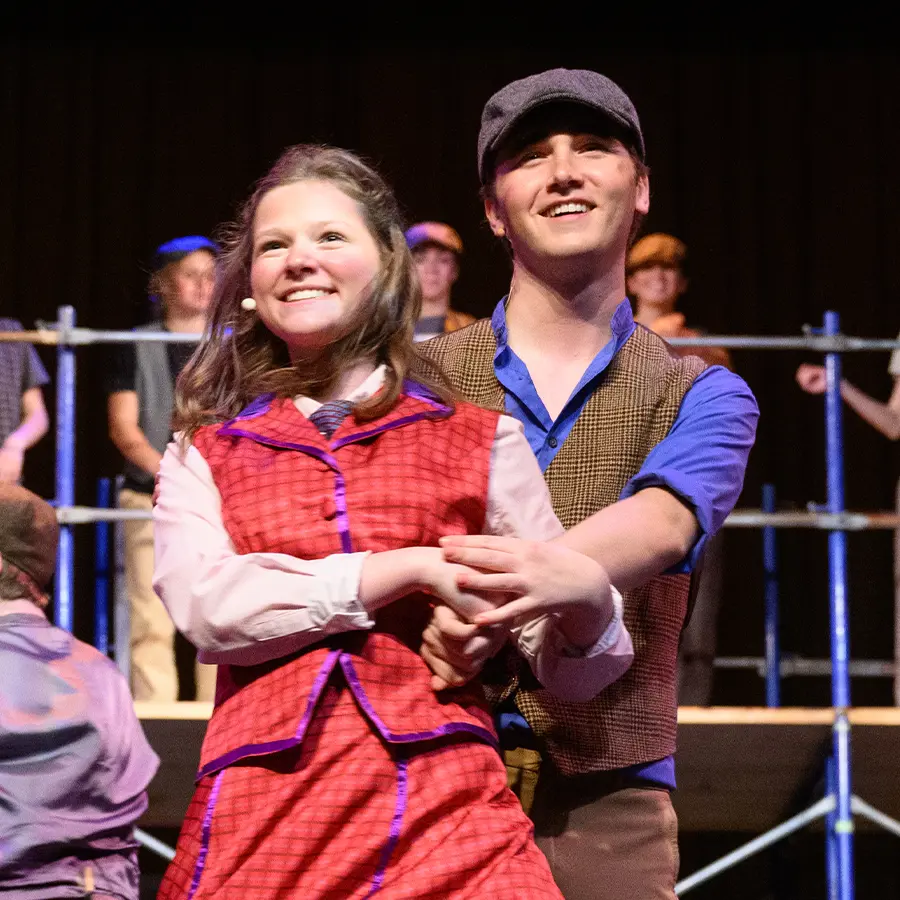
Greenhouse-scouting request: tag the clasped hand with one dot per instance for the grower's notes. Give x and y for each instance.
(491, 583)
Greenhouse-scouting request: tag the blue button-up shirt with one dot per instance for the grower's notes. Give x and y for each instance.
(702, 460)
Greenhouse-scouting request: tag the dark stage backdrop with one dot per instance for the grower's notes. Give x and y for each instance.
(777, 167)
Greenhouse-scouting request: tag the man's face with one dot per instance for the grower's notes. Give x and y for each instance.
(437, 270)
(565, 192)
(188, 283)
(657, 285)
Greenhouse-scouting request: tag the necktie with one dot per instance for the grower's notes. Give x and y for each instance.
(329, 415)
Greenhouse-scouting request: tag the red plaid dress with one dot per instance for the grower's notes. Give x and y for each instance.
(337, 772)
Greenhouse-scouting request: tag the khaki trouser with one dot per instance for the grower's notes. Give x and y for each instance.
(603, 839)
(153, 673)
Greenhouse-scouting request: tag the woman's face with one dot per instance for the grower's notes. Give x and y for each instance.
(313, 265)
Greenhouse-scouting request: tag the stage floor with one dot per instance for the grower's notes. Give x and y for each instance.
(739, 768)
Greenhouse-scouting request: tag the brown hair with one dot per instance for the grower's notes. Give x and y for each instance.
(239, 358)
(10, 586)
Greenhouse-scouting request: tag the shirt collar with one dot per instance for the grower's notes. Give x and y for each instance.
(621, 325)
(20, 607)
(370, 386)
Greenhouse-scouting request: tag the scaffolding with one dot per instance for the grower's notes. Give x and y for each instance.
(837, 807)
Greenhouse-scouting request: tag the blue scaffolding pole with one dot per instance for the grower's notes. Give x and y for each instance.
(102, 571)
(840, 836)
(63, 610)
(770, 591)
(838, 804)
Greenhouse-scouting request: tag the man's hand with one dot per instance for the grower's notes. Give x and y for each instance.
(456, 651)
(544, 578)
(811, 378)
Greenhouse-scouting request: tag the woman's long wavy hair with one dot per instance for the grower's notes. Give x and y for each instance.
(239, 358)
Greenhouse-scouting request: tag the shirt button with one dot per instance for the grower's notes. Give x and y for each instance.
(552, 442)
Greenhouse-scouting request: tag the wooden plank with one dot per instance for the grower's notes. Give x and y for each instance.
(784, 715)
(739, 768)
(747, 776)
(747, 769)
(182, 710)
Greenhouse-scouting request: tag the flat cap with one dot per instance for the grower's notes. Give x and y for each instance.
(656, 250)
(581, 86)
(436, 233)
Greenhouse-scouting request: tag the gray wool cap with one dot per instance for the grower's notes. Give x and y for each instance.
(582, 86)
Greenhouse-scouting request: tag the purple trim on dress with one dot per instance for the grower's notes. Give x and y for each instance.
(420, 392)
(413, 736)
(254, 408)
(340, 506)
(205, 832)
(441, 413)
(310, 450)
(396, 824)
(245, 750)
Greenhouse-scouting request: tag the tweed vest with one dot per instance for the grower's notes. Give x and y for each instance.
(404, 480)
(633, 408)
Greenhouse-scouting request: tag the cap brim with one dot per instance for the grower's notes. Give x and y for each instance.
(547, 100)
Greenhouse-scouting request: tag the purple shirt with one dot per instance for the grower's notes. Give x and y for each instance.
(702, 459)
(74, 765)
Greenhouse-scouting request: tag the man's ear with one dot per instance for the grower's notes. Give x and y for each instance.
(493, 216)
(642, 195)
(1, 562)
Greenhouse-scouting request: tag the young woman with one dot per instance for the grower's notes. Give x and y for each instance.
(298, 523)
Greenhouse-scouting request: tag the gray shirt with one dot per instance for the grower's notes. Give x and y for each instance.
(20, 370)
(74, 765)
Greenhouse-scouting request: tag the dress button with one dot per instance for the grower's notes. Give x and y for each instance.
(552, 442)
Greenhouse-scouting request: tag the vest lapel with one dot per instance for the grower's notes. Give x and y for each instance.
(413, 406)
(276, 422)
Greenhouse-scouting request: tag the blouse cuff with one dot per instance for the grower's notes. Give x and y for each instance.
(605, 642)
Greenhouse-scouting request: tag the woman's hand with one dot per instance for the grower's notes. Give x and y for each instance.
(544, 578)
(444, 581)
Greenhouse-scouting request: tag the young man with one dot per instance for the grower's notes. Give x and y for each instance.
(139, 410)
(436, 250)
(643, 448)
(656, 282)
(23, 416)
(74, 763)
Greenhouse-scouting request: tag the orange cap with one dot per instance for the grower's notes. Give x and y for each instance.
(434, 233)
(656, 250)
